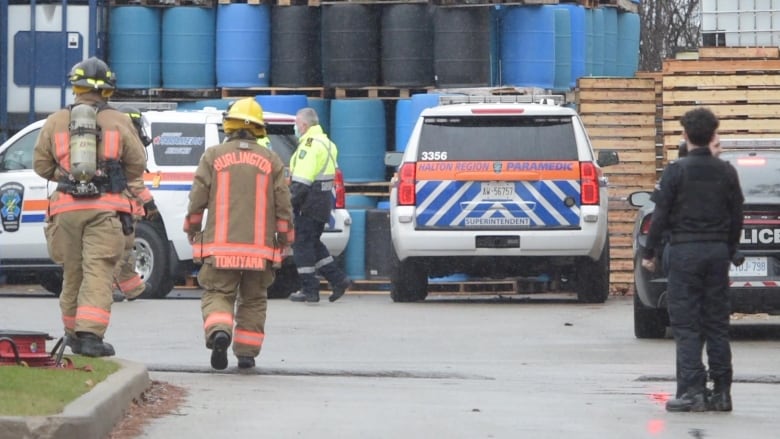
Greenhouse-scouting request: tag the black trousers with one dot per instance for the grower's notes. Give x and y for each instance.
(699, 311)
(311, 256)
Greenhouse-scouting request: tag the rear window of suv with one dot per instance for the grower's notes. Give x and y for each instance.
(498, 138)
(758, 172)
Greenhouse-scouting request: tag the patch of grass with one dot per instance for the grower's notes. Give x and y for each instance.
(35, 391)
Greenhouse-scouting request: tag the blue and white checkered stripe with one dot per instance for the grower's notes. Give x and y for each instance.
(449, 203)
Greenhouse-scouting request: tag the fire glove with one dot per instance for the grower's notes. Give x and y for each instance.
(150, 211)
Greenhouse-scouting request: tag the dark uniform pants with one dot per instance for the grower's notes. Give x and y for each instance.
(699, 311)
(88, 244)
(246, 292)
(311, 255)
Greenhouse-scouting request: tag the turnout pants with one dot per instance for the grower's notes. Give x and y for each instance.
(311, 256)
(699, 311)
(126, 278)
(238, 293)
(88, 244)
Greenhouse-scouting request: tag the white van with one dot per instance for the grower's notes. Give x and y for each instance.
(164, 256)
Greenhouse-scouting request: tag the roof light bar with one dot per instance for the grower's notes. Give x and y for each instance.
(750, 143)
(548, 99)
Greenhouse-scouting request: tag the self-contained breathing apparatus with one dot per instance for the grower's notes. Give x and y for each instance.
(87, 177)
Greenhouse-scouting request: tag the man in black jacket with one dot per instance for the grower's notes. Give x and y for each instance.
(699, 203)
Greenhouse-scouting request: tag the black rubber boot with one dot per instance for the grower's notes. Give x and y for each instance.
(220, 341)
(301, 297)
(246, 362)
(339, 290)
(72, 341)
(720, 401)
(93, 346)
(690, 401)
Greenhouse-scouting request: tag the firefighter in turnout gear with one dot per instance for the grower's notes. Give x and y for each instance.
(312, 171)
(242, 185)
(86, 213)
(128, 282)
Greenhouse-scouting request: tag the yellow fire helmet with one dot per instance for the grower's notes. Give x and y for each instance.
(244, 113)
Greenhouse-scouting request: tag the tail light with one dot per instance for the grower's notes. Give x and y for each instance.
(644, 227)
(589, 178)
(406, 184)
(338, 185)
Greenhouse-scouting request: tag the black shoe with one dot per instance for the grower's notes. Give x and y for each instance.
(246, 362)
(219, 345)
(339, 290)
(72, 341)
(93, 346)
(688, 402)
(300, 297)
(720, 402)
(118, 297)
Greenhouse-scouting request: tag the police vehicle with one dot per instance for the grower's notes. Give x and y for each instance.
(163, 254)
(496, 187)
(755, 284)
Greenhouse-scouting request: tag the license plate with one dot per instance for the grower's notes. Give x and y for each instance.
(498, 190)
(752, 267)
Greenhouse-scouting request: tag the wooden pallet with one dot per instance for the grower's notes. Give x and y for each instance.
(466, 3)
(249, 2)
(312, 92)
(165, 94)
(620, 113)
(624, 5)
(376, 92)
(163, 3)
(371, 189)
(312, 3)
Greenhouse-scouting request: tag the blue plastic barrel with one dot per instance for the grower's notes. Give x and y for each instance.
(357, 201)
(494, 29)
(358, 128)
(243, 45)
(598, 42)
(528, 46)
(461, 47)
(355, 253)
(219, 104)
(134, 46)
(578, 41)
(590, 42)
(610, 41)
(188, 47)
(628, 44)
(562, 78)
(285, 104)
(322, 107)
(403, 123)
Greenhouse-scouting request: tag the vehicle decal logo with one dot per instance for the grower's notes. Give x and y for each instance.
(497, 167)
(11, 197)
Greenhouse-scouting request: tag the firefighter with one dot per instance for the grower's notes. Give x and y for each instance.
(242, 185)
(90, 150)
(128, 282)
(312, 171)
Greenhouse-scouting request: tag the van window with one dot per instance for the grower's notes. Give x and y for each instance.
(178, 144)
(20, 154)
(472, 138)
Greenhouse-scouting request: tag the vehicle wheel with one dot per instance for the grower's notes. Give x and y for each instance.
(592, 284)
(649, 322)
(286, 282)
(52, 281)
(408, 281)
(151, 260)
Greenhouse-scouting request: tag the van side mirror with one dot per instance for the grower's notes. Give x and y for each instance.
(608, 157)
(393, 158)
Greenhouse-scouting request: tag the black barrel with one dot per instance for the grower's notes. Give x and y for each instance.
(350, 45)
(407, 45)
(461, 47)
(295, 46)
(379, 246)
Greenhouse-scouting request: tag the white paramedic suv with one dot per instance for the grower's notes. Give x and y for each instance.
(163, 254)
(494, 187)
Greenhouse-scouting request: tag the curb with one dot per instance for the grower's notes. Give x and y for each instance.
(93, 415)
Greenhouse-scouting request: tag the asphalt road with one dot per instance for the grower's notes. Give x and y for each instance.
(538, 366)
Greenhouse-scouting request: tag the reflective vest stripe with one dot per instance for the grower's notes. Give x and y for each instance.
(249, 338)
(261, 186)
(93, 314)
(232, 249)
(69, 322)
(67, 203)
(218, 318)
(62, 149)
(222, 207)
(111, 145)
(282, 226)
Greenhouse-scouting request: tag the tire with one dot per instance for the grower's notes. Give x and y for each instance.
(151, 259)
(51, 281)
(592, 284)
(286, 281)
(408, 281)
(649, 322)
